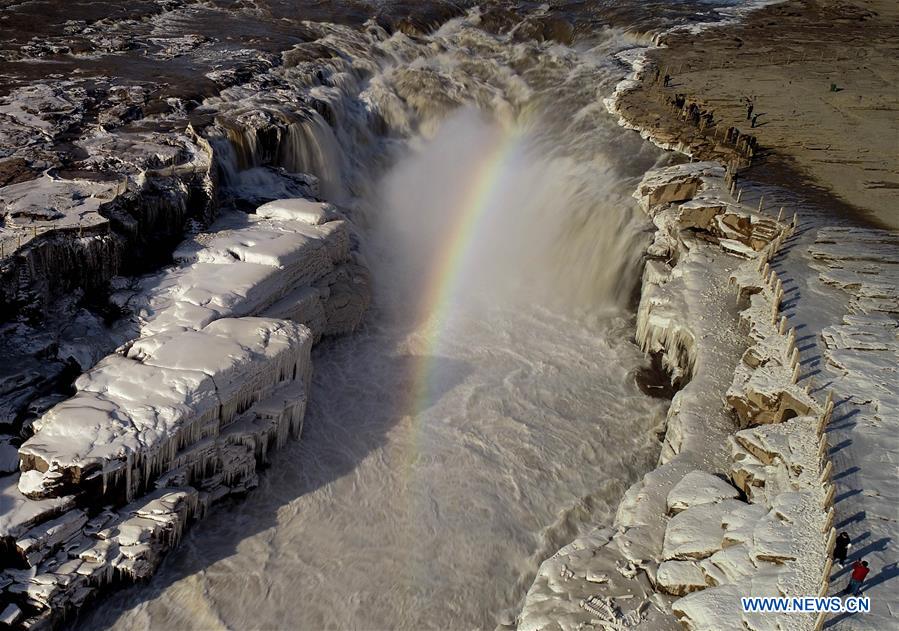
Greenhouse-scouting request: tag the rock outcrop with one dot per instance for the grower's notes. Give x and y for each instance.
(713, 522)
(211, 378)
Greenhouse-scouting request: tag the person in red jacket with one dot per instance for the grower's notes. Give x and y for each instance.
(859, 572)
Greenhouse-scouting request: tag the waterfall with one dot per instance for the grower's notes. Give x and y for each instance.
(377, 99)
(310, 146)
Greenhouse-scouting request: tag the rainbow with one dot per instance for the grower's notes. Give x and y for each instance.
(444, 281)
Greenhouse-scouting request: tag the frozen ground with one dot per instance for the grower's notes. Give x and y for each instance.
(840, 294)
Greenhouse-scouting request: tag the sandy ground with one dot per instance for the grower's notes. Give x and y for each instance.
(840, 147)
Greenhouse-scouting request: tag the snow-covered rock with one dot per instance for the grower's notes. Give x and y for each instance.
(21, 513)
(133, 414)
(683, 527)
(699, 487)
(686, 313)
(697, 533)
(292, 260)
(305, 210)
(679, 578)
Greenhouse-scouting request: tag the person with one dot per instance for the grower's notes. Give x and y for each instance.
(859, 572)
(749, 108)
(841, 547)
(667, 80)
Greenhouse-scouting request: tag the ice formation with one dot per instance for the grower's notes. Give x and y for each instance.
(139, 415)
(173, 422)
(211, 378)
(292, 259)
(685, 543)
(68, 226)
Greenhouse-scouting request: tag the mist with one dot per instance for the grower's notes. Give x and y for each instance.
(537, 226)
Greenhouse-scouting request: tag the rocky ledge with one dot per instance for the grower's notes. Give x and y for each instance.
(212, 376)
(741, 502)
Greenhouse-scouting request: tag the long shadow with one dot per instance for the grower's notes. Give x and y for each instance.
(888, 573)
(861, 553)
(859, 516)
(840, 446)
(847, 472)
(846, 495)
(844, 422)
(360, 390)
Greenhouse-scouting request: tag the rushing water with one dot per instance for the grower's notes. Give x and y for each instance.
(487, 412)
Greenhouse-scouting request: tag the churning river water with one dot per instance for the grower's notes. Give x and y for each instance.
(487, 411)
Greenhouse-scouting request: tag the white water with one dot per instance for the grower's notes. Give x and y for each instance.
(389, 515)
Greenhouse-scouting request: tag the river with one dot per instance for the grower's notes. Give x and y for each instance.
(488, 410)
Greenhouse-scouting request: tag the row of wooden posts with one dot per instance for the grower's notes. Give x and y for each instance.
(743, 144)
(825, 477)
(773, 283)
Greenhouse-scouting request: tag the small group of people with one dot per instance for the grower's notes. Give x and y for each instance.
(750, 105)
(859, 568)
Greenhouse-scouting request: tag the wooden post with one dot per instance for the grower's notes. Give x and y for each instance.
(822, 423)
(826, 471)
(828, 499)
(828, 566)
(739, 195)
(828, 521)
(780, 215)
(761, 202)
(822, 446)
